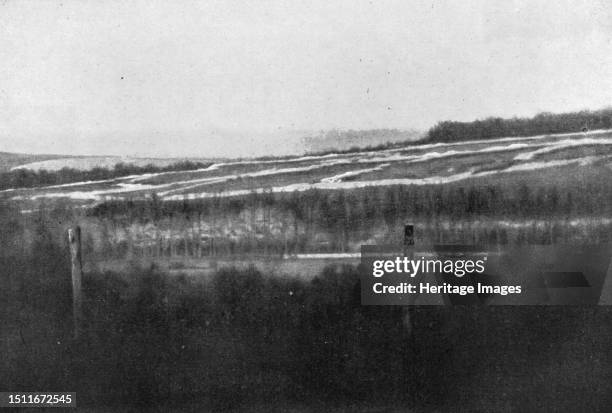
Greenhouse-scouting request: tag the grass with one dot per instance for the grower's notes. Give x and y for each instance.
(576, 152)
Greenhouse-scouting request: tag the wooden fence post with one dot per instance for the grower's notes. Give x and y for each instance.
(74, 239)
(406, 310)
(409, 240)
(409, 253)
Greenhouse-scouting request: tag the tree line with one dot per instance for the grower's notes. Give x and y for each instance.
(337, 221)
(543, 123)
(325, 207)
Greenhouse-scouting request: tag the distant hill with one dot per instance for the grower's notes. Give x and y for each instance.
(85, 163)
(281, 144)
(9, 160)
(342, 140)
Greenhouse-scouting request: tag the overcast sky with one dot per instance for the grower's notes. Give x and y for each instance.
(176, 78)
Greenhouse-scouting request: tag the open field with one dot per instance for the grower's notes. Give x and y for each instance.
(432, 164)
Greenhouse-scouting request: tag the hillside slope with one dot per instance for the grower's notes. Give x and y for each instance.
(560, 156)
(9, 160)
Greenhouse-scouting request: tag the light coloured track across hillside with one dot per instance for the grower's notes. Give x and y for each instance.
(428, 164)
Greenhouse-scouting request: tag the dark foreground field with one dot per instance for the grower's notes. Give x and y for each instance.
(247, 341)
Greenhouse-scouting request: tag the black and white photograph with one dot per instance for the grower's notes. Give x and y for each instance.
(323, 206)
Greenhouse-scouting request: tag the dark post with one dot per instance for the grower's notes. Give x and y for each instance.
(408, 239)
(408, 252)
(74, 239)
(407, 319)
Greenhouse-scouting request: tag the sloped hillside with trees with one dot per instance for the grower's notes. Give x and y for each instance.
(541, 124)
